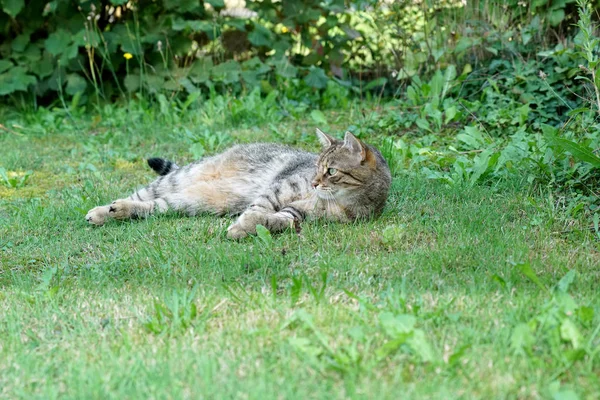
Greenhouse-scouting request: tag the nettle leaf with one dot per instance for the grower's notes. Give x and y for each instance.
(555, 17)
(260, 36)
(227, 72)
(44, 67)
(20, 42)
(15, 79)
(181, 6)
(13, 7)
(216, 3)
(179, 24)
(255, 64)
(58, 42)
(316, 78)
(284, 69)
(200, 71)
(4, 65)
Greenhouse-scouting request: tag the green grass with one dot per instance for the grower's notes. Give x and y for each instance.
(437, 299)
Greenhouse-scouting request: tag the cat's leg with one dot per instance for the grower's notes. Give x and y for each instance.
(262, 213)
(139, 205)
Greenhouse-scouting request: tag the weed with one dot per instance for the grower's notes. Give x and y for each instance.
(13, 179)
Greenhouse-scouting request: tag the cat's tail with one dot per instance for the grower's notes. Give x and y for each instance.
(162, 166)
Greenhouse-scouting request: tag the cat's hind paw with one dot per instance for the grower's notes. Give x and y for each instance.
(97, 215)
(236, 232)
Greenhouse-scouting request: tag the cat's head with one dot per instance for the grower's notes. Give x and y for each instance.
(350, 168)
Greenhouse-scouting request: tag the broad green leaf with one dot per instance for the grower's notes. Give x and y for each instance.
(375, 83)
(44, 67)
(463, 44)
(256, 65)
(264, 235)
(20, 42)
(483, 163)
(521, 338)
(316, 78)
(180, 24)
(472, 138)
(566, 281)
(58, 42)
(216, 3)
(181, 6)
(227, 72)
(15, 79)
(570, 333)
(75, 84)
(449, 76)
(5, 65)
(318, 117)
(578, 151)
(260, 36)
(13, 7)
(420, 345)
(450, 113)
(284, 69)
(395, 325)
(200, 71)
(555, 17)
(565, 395)
(132, 82)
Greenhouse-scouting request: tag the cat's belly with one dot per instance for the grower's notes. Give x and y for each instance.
(222, 188)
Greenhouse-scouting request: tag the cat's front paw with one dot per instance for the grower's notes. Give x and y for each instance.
(121, 209)
(236, 232)
(97, 215)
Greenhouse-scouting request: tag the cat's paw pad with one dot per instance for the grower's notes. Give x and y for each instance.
(236, 232)
(97, 215)
(120, 209)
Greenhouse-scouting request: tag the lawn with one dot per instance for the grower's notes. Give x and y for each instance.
(484, 291)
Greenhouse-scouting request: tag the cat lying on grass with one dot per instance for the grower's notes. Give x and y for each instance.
(266, 184)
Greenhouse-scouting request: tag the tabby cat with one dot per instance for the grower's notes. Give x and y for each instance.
(267, 184)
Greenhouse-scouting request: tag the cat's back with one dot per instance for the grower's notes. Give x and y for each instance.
(268, 161)
(267, 153)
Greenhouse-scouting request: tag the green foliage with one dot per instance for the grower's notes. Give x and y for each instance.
(14, 180)
(114, 48)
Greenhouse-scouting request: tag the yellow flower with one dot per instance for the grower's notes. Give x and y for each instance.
(128, 56)
(285, 29)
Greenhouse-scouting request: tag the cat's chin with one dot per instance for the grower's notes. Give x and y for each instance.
(325, 195)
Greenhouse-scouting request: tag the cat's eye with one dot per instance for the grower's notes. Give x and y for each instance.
(331, 171)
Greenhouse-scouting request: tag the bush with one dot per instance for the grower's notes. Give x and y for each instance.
(115, 47)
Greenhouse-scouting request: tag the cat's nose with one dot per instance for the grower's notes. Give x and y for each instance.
(315, 184)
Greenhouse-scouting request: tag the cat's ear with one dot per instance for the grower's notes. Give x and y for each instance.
(354, 145)
(324, 138)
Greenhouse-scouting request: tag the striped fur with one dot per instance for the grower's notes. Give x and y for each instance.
(267, 184)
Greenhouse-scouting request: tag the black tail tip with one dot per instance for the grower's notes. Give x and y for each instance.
(159, 165)
(156, 163)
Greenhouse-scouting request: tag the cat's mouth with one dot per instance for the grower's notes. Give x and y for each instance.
(324, 193)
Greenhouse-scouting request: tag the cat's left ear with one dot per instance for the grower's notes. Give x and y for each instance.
(355, 145)
(324, 138)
